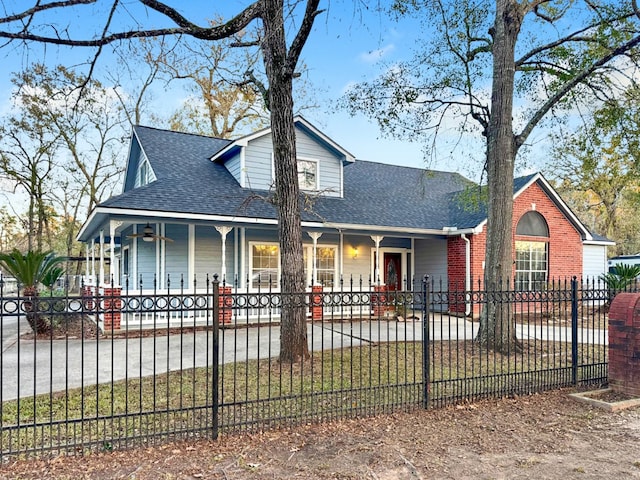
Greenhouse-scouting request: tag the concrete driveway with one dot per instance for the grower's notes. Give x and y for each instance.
(32, 367)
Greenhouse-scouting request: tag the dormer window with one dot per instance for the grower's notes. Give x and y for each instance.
(308, 174)
(145, 174)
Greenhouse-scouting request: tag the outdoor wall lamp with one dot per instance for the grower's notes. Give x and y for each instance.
(355, 252)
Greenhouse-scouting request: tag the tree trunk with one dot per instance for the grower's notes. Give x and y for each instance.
(36, 321)
(497, 329)
(293, 329)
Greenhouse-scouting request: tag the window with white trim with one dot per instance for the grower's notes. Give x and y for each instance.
(532, 255)
(145, 174)
(325, 263)
(531, 265)
(307, 174)
(264, 269)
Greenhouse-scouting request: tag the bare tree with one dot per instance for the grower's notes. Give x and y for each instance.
(280, 58)
(27, 152)
(498, 69)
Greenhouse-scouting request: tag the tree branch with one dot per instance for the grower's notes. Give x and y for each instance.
(42, 7)
(301, 37)
(572, 37)
(569, 85)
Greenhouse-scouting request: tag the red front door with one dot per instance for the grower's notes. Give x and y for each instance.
(393, 271)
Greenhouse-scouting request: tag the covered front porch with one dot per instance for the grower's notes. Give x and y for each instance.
(168, 256)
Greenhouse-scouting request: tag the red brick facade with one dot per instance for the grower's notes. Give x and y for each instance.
(624, 344)
(564, 242)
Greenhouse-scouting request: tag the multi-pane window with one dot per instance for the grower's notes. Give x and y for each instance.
(325, 265)
(531, 265)
(532, 255)
(307, 174)
(264, 266)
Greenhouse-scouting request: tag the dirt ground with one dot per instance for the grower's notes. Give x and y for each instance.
(539, 436)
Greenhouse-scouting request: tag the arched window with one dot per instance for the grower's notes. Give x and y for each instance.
(532, 224)
(532, 256)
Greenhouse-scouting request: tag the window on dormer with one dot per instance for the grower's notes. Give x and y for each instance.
(145, 174)
(308, 174)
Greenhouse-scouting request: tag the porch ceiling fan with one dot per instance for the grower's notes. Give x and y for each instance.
(147, 235)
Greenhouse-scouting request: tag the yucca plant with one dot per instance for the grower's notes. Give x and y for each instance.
(30, 270)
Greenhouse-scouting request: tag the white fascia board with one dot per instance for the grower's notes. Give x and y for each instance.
(147, 214)
(85, 225)
(145, 156)
(563, 206)
(349, 157)
(244, 141)
(608, 243)
(235, 144)
(383, 228)
(126, 170)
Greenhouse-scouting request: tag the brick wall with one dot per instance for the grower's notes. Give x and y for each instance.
(565, 243)
(624, 344)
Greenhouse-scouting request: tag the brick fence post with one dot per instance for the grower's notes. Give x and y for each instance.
(315, 302)
(112, 306)
(624, 344)
(379, 300)
(226, 304)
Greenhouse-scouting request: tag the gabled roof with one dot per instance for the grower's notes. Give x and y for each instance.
(377, 197)
(301, 123)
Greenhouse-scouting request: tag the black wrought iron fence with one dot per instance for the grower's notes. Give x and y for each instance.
(115, 367)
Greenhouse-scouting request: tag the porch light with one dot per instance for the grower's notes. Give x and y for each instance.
(355, 252)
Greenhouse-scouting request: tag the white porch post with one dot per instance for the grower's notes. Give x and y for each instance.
(341, 268)
(314, 269)
(101, 279)
(376, 273)
(93, 262)
(243, 258)
(87, 267)
(134, 258)
(113, 225)
(191, 256)
(224, 231)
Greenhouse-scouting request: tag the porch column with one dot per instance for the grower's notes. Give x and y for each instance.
(226, 301)
(93, 262)
(113, 224)
(341, 272)
(87, 272)
(314, 269)
(376, 273)
(224, 231)
(101, 279)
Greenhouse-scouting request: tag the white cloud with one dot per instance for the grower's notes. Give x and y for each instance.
(375, 55)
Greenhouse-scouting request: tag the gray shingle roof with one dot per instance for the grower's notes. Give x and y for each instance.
(375, 194)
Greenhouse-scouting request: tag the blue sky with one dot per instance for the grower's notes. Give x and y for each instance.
(344, 47)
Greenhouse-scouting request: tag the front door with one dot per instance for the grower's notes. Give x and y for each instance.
(393, 270)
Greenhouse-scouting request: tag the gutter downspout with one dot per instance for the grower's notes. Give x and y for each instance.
(467, 272)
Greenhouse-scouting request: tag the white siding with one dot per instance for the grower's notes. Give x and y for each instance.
(234, 167)
(431, 259)
(258, 163)
(146, 263)
(177, 254)
(594, 261)
(359, 268)
(329, 165)
(209, 254)
(259, 174)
